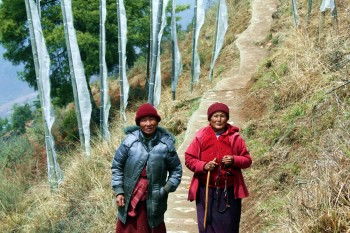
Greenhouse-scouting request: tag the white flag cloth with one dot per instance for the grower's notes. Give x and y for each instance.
(199, 23)
(42, 69)
(177, 55)
(122, 67)
(158, 78)
(105, 103)
(77, 73)
(327, 4)
(222, 26)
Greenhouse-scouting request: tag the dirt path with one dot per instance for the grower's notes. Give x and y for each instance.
(181, 214)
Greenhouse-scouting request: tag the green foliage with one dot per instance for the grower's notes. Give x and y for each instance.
(70, 126)
(250, 130)
(295, 111)
(282, 69)
(4, 125)
(194, 106)
(257, 148)
(10, 194)
(14, 151)
(20, 116)
(267, 75)
(275, 40)
(15, 156)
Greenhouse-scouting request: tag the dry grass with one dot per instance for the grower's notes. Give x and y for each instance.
(300, 178)
(85, 202)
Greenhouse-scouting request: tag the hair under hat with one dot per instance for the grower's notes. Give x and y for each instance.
(215, 107)
(146, 110)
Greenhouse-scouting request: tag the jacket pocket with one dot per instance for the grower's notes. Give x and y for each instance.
(159, 201)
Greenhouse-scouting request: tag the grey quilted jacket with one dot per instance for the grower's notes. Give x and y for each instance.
(163, 169)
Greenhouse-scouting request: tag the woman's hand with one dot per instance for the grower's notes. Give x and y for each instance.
(228, 160)
(209, 166)
(120, 200)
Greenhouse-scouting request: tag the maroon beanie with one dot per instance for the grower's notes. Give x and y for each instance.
(215, 107)
(146, 110)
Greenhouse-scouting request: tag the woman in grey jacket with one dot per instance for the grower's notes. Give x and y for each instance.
(145, 169)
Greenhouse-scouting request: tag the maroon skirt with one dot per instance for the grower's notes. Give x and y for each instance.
(139, 223)
(224, 211)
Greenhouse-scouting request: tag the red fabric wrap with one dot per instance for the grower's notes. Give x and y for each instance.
(139, 193)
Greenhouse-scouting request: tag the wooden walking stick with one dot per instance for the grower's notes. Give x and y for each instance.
(206, 199)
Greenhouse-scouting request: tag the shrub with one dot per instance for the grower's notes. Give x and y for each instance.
(15, 151)
(20, 116)
(4, 125)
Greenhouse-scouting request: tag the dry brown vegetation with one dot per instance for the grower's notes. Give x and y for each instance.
(300, 126)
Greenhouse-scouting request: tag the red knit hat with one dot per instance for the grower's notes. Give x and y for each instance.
(215, 107)
(146, 110)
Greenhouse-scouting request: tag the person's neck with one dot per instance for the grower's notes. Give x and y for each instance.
(220, 131)
(148, 136)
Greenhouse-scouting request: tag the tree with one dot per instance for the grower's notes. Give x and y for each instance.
(20, 116)
(4, 125)
(14, 36)
(179, 8)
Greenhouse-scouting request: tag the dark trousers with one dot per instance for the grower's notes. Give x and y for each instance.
(224, 212)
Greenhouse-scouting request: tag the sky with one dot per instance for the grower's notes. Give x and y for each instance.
(12, 90)
(186, 16)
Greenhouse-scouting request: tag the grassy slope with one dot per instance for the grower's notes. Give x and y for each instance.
(298, 135)
(299, 129)
(85, 202)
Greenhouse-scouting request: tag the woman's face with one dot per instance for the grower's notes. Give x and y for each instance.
(218, 121)
(148, 125)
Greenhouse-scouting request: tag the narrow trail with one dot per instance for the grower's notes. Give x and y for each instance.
(181, 215)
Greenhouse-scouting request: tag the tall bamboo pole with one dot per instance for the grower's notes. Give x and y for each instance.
(150, 45)
(39, 8)
(55, 175)
(124, 86)
(334, 15)
(155, 53)
(72, 75)
(295, 13)
(102, 88)
(82, 98)
(176, 55)
(309, 8)
(215, 40)
(104, 93)
(194, 23)
(173, 18)
(120, 56)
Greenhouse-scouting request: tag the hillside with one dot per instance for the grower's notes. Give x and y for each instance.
(298, 106)
(295, 120)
